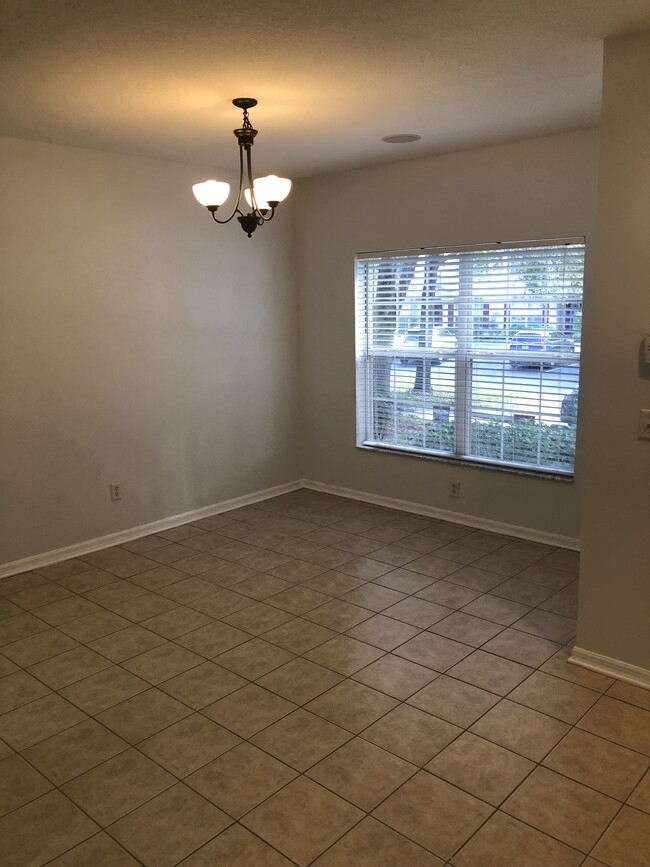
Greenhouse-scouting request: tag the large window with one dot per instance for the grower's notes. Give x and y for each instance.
(472, 353)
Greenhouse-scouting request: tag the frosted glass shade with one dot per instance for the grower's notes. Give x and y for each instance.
(210, 193)
(261, 204)
(272, 188)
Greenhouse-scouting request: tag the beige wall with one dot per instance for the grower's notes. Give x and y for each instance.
(614, 610)
(540, 188)
(139, 344)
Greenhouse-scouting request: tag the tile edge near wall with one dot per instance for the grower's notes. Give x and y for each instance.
(78, 549)
(453, 517)
(37, 561)
(606, 665)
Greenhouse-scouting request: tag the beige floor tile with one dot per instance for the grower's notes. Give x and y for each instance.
(298, 599)
(490, 672)
(559, 666)
(411, 810)
(566, 810)
(396, 677)
(361, 845)
(241, 779)
(362, 773)
(298, 635)
(19, 784)
(518, 728)
(411, 734)
(20, 626)
(373, 597)
(82, 582)
(496, 609)
(63, 569)
(18, 689)
(466, 628)
(548, 625)
(338, 615)
(475, 578)
(523, 592)
(344, 655)
(145, 606)
(302, 820)
(394, 555)
(38, 647)
(265, 560)
(626, 843)
(93, 626)
(352, 705)
(617, 721)
(161, 576)
(114, 594)
(38, 720)
(607, 767)
(213, 639)
(143, 715)
(505, 841)
(417, 612)
(116, 787)
(7, 666)
(452, 700)
(554, 696)
(188, 744)
(521, 647)
(99, 850)
(301, 739)
(23, 581)
(69, 667)
(249, 710)
(481, 768)
(58, 613)
(103, 690)
(384, 632)
(564, 602)
(126, 643)
(236, 847)
(202, 685)
(261, 586)
(333, 583)
(404, 580)
(452, 596)
(253, 658)
(300, 680)
(74, 751)
(176, 622)
(170, 826)
(162, 663)
(257, 618)
(640, 797)
(297, 571)
(434, 651)
(34, 597)
(365, 568)
(548, 576)
(632, 694)
(119, 562)
(60, 826)
(433, 566)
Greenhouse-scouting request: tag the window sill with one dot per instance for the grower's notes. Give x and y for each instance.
(562, 477)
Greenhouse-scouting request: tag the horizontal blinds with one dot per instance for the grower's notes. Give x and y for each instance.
(472, 352)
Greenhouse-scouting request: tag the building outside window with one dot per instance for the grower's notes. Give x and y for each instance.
(472, 353)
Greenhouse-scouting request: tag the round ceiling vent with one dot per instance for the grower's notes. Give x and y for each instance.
(401, 138)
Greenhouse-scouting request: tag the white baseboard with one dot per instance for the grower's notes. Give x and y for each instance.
(87, 547)
(453, 517)
(611, 667)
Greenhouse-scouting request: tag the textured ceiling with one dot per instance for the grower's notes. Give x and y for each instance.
(155, 77)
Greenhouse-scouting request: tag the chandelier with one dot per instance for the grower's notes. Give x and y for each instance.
(263, 195)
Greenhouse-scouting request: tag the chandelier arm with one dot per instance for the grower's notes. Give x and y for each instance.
(236, 209)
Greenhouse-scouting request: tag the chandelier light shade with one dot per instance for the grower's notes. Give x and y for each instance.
(263, 195)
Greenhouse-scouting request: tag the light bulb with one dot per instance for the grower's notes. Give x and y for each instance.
(211, 193)
(261, 204)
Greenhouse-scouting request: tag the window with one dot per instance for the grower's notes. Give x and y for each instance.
(472, 353)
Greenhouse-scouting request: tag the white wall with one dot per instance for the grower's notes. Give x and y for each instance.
(139, 343)
(539, 188)
(614, 608)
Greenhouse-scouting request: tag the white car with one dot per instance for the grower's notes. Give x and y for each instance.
(442, 340)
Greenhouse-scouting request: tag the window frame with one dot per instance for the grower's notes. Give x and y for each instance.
(465, 355)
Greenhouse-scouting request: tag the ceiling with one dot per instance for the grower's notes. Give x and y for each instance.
(155, 77)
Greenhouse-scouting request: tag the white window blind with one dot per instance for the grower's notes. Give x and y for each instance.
(472, 353)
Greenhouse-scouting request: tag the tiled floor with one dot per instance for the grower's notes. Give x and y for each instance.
(313, 680)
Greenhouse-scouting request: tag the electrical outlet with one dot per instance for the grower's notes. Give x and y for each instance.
(116, 491)
(454, 489)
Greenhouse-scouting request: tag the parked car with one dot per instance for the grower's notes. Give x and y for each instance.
(539, 341)
(569, 407)
(442, 339)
